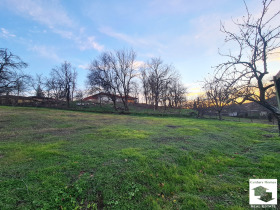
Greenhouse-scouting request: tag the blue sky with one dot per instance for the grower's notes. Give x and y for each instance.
(185, 33)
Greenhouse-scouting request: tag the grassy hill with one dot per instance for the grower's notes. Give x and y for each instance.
(53, 159)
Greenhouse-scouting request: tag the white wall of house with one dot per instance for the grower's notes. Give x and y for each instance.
(232, 114)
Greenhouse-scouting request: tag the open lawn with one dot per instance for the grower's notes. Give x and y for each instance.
(53, 159)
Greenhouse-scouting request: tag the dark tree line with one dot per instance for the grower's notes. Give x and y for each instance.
(61, 84)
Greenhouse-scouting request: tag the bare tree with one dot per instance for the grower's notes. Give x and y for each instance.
(79, 95)
(63, 80)
(21, 84)
(10, 71)
(113, 72)
(257, 39)
(74, 83)
(201, 104)
(159, 75)
(165, 92)
(123, 64)
(102, 77)
(177, 92)
(161, 84)
(145, 84)
(38, 85)
(220, 92)
(54, 87)
(134, 89)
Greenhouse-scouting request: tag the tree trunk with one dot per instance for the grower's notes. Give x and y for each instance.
(278, 126)
(126, 105)
(278, 120)
(68, 99)
(114, 104)
(156, 104)
(124, 100)
(220, 115)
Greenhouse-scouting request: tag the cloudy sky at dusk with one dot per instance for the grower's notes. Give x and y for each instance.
(185, 33)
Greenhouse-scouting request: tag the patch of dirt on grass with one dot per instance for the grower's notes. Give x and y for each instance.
(80, 174)
(174, 126)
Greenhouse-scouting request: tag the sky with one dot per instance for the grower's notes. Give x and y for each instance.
(184, 33)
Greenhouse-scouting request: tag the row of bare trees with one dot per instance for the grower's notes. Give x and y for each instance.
(116, 73)
(61, 84)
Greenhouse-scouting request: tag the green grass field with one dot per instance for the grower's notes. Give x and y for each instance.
(53, 159)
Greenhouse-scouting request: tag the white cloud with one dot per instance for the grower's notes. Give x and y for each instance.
(134, 41)
(48, 12)
(138, 64)
(6, 34)
(121, 36)
(83, 66)
(89, 43)
(53, 15)
(83, 41)
(46, 52)
(64, 33)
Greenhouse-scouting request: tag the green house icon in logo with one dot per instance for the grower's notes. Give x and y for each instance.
(262, 191)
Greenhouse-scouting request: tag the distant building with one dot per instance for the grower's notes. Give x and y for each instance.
(233, 114)
(250, 109)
